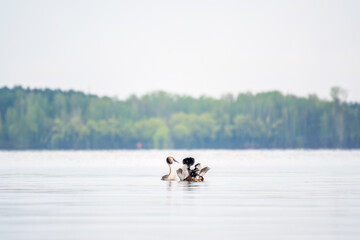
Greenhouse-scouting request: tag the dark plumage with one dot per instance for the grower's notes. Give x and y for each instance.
(189, 161)
(169, 160)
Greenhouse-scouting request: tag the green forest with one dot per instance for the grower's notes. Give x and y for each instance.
(55, 119)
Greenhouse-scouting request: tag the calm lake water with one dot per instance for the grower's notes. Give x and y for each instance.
(119, 195)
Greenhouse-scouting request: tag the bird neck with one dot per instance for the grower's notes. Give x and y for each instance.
(172, 173)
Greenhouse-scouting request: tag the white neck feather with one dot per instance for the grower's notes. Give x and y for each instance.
(172, 173)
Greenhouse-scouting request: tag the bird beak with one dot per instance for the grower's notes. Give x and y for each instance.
(175, 160)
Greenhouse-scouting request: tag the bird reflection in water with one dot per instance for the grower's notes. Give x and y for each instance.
(170, 185)
(192, 186)
(185, 186)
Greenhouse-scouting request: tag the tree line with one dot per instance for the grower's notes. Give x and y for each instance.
(55, 119)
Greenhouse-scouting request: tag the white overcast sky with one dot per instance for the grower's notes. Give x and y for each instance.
(118, 48)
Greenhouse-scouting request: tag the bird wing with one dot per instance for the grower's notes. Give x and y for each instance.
(203, 171)
(179, 172)
(182, 173)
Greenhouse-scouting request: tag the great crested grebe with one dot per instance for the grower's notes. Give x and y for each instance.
(184, 172)
(191, 175)
(171, 176)
(199, 172)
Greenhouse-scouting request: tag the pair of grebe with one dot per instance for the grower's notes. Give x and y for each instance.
(186, 173)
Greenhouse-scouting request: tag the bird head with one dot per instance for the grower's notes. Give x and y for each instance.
(189, 161)
(170, 160)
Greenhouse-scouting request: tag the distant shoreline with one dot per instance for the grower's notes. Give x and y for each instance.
(54, 119)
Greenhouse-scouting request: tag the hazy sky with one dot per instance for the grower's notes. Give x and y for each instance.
(117, 48)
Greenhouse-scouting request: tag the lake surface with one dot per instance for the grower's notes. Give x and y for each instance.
(119, 195)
